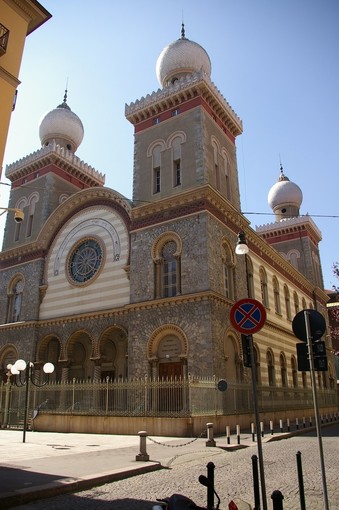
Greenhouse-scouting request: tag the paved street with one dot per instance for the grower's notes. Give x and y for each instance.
(233, 477)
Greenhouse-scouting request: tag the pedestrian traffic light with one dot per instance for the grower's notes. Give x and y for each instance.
(246, 349)
(319, 357)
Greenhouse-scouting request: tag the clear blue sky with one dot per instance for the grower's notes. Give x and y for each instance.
(275, 62)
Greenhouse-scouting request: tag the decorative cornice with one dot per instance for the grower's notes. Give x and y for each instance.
(187, 87)
(202, 198)
(9, 78)
(289, 225)
(61, 157)
(118, 312)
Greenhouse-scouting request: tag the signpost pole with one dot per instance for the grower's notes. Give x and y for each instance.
(257, 427)
(316, 408)
(248, 316)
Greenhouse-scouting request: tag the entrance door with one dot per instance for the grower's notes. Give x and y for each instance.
(170, 391)
(170, 370)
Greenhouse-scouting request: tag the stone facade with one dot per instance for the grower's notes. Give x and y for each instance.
(103, 287)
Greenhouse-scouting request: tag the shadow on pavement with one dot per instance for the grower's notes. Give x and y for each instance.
(11, 479)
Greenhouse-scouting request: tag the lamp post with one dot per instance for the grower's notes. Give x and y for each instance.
(19, 215)
(242, 249)
(21, 366)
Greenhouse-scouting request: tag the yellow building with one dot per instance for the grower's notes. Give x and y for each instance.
(18, 18)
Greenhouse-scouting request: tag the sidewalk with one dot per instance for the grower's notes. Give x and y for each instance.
(48, 464)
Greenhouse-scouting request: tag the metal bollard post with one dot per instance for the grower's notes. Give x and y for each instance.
(288, 424)
(301, 482)
(252, 432)
(210, 440)
(256, 482)
(142, 456)
(238, 434)
(304, 422)
(277, 499)
(297, 423)
(228, 434)
(281, 426)
(262, 429)
(271, 427)
(210, 487)
(310, 421)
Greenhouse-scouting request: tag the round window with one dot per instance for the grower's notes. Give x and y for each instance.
(85, 261)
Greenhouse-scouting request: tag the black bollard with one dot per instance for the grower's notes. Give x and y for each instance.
(210, 487)
(277, 499)
(256, 482)
(301, 482)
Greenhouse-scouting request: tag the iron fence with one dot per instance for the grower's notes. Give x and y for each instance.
(152, 398)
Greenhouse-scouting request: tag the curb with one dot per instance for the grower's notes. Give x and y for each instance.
(23, 496)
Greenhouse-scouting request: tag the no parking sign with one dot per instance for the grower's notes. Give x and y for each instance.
(248, 316)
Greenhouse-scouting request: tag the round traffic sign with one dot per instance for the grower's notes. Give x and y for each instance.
(248, 316)
(316, 321)
(222, 385)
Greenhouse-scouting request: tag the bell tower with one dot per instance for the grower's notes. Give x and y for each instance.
(42, 180)
(184, 132)
(294, 236)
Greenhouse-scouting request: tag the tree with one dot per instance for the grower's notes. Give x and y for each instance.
(336, 274)
(333, 311)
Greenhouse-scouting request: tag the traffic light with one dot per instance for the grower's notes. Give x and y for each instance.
(246, 349)
(319, 357)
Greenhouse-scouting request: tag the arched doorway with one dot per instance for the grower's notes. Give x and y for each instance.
(167, 354)
(79, 351)
(113, 354)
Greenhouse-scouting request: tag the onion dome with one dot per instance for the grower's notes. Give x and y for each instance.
(285, 197)
(180, 58)
(62, 126)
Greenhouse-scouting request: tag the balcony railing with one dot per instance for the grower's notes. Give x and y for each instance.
(4, 35)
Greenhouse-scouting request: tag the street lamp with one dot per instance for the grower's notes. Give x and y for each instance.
(241, 246)
(19, 215)
(242, 249)
(21, 366)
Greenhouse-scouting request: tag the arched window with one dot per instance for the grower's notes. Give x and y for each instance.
(250, 276)
(32, 201)
(154, 151)
(276, 292)
(263, 287)
(234, 366)
(296, 302)
(270, 368)
(317, 269)
(283, 371)
(303, 304)
(257, 364)
(228, 269)
(294, 372)
(293, 257)
(14, 294)
(216, 151)
(21, 204)
(169, 274)
(175, 142)
(287, 302)
(167, 259)
(227, 177)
